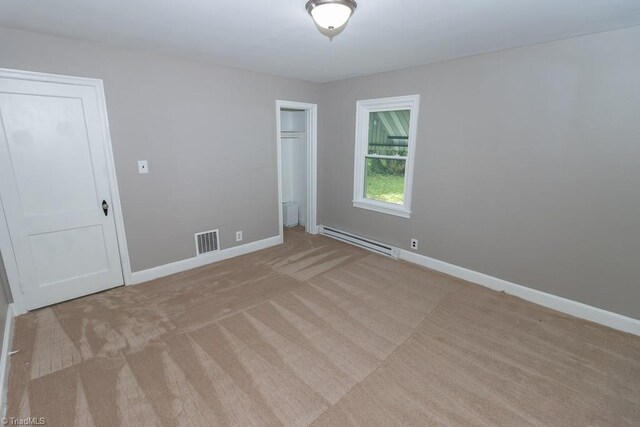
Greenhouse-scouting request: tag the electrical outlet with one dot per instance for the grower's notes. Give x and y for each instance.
(238, 236)
(414, 244)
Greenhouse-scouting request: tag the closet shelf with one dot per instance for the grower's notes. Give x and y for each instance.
(292, 133)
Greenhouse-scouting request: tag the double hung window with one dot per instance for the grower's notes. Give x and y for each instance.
(385, 147)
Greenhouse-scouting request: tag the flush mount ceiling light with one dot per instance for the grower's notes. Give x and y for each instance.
(331, 16)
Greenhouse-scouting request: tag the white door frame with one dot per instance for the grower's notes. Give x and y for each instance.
(312, 162)
(8, 256)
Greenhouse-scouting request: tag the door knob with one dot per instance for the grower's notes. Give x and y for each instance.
(105, 207)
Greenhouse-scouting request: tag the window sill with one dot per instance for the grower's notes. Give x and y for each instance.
(384, 208)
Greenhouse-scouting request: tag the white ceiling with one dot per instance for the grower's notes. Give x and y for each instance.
(278, 37)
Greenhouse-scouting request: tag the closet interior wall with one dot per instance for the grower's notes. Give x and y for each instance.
(294, 160)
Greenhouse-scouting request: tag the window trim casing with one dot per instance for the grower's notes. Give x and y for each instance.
(363, 108)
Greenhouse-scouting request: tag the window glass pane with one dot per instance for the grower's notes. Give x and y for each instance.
(389, 132)
(384, 180)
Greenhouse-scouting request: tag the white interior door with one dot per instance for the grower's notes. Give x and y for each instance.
(53, 180)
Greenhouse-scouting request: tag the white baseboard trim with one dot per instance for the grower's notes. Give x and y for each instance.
(564, 305)
(199, 261)
(5, 357)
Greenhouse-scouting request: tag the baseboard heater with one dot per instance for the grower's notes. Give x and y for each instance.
(362, 242)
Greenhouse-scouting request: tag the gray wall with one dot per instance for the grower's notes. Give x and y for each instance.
(208, 133)
(527, 165)
(5, 299)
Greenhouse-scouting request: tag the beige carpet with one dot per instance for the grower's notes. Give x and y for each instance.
(318, 332)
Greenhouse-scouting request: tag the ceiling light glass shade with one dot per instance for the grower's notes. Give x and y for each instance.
(331, 14)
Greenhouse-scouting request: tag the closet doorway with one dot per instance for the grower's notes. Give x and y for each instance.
(297, 169)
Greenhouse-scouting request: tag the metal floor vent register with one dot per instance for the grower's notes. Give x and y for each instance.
(207, 241)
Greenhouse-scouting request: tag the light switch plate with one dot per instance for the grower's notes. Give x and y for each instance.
(143, 166)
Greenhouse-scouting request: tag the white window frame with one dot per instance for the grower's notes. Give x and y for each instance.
(363, 108)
